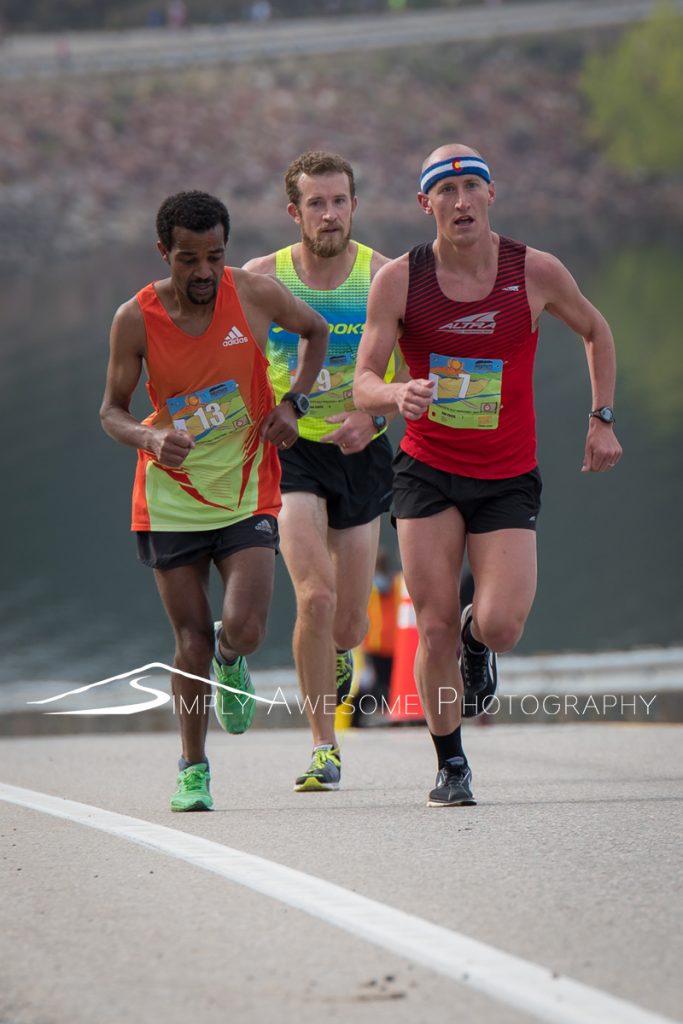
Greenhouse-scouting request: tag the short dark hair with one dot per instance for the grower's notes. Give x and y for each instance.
(316, 162)
(195, 211)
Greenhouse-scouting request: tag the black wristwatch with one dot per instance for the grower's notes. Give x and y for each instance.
(605, 414)
(299, 401)
(379, 422)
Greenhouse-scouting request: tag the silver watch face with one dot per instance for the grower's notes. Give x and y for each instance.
(606, 414)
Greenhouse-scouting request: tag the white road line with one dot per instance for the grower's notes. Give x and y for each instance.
(501, 976)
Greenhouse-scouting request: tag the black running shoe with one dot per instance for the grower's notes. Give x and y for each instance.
(479, 673)
(453, 785)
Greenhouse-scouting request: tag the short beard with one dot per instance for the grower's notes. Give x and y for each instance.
(326, 247)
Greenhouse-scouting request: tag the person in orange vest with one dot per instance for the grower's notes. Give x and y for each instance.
(378, 645)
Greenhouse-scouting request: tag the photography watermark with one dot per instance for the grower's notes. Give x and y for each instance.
(159, 698)
(512, 706)
(552, 705)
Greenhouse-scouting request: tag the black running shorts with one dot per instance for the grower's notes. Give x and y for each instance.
(357, 488)
(161, 549)
(485, 505)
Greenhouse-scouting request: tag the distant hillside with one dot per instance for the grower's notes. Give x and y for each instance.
(85, 165)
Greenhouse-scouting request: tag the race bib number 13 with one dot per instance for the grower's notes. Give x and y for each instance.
(466, 392)
(217, 408)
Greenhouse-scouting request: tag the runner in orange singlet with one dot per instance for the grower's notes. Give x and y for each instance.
(207, 482)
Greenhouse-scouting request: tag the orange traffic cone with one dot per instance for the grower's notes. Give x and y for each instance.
(404, 701)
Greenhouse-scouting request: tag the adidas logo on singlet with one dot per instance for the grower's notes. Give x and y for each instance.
(480, 323)
(234, 337)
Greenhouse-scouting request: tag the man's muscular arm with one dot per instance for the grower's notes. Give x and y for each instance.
(127, 348)
(551, 287)
(267, 301)
(386, 308)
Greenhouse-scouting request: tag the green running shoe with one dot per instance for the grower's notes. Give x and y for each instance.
(192, 793)
(324, 771)
(344, 675)
(234, 712)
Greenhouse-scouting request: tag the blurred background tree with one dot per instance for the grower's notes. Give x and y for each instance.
(635, 93)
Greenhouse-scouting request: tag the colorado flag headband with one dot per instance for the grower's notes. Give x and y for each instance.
(453, 166)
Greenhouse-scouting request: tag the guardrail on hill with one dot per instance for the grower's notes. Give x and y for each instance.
(74, 53)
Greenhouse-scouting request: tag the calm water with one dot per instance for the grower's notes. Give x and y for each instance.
(75, 604)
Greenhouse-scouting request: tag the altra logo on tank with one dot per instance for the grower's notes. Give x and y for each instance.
(480, 323)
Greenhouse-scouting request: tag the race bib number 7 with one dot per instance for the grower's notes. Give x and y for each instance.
(219, 408)
(466, 392)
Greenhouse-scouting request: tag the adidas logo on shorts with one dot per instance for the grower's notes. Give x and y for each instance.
(264, 526)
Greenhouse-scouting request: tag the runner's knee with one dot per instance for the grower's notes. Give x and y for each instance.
(316, 605)
(438, 637)
(499, 633)
(244, 636)
(350, 632)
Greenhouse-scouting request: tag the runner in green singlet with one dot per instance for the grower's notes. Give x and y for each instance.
(336, 478)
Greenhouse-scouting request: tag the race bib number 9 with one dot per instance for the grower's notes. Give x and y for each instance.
(219, 408)
(466, 392)
(333, 390)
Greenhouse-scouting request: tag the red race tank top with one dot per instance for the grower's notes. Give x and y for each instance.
(481, 355)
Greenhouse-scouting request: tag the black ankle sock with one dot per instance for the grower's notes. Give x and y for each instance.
(475, 646)
(448, 746)
(183, 764)
(217, 651)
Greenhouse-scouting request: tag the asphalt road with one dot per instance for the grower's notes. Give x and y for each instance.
(146, 49)
(571, 861)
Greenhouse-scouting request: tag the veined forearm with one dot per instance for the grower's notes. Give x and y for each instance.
(602, 365)
(373, 394)
(121, 426)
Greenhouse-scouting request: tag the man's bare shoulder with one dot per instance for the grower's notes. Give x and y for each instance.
(129, 311)
(379, 260)
(258, 282)
(260, 288)
(544, 270)
(128, 327)
(261, 265)
(128, 316)
(394, 273)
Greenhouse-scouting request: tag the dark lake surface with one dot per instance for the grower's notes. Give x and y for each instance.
(75, 604)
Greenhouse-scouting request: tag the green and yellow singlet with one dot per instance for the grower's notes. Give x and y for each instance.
(344, 308)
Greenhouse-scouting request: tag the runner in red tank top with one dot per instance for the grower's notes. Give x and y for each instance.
(465, 309)
(207, 483)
